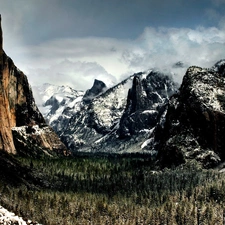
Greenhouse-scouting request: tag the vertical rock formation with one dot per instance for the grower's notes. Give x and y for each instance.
(97, 88)
(18, 112)
(145, 101)
(7, 116)
(195, 121)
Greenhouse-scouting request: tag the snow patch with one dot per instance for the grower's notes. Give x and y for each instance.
(149, 112)
(7, 217)
(148, 141)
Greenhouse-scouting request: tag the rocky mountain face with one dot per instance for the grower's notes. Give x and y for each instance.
(117, 119)
(144, 103)
(57, 104)
(147, 113)
(195, 121)
(22, 126)
(97, 88)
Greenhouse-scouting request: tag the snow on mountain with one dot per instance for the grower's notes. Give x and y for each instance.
(55, 101)
(117, 119)
(195, 120)
(96, 118)
(109, 106)
(219, 67)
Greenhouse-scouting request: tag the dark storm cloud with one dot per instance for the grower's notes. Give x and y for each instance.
(43, 20)
(79, 40)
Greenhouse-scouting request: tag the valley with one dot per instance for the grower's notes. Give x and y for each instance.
(143, 151)
(112, 189)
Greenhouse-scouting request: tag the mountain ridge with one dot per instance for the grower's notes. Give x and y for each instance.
(99, 125)
(142, 115)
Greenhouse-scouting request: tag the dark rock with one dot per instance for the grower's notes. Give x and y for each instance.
(220, 67)
(195, 121)
(97, 88)
(144, 101)
(130, 110)
(54, 103)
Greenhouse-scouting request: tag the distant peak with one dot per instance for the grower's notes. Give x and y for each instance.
(179, 64)
(220, 67)
(99, 82)
(97, 88)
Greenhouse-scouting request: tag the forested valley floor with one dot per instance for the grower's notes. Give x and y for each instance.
(111, 190)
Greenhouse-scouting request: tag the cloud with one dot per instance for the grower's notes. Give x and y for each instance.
(56, 52)
(78, 61)
(76, 58)
(11, 25)
(79, 75)
(161, 48)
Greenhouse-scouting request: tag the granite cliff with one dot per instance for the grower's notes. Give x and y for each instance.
(22, 126)
(195, 120)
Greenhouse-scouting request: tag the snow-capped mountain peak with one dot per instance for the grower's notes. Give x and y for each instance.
(53, 100)
(100, 118)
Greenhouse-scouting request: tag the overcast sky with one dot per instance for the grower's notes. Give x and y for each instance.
(72, 42)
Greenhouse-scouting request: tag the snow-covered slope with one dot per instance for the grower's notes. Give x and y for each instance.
(118, 119)
(96, 118)
(57, 103)
(147, 113)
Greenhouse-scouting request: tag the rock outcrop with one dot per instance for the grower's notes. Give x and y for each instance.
(144, 102)
(18, 109)
(195, 121)
(95, 118)
(97, 88)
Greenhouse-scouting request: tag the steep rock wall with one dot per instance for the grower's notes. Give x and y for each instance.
(17, 107)
(195, 121)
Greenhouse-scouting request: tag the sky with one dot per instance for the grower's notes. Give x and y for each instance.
(73, 42)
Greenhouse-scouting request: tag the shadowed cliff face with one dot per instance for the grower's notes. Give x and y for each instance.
(195, 122)
(7, 110)
(145, 102)
(17, 106)
(97, 88)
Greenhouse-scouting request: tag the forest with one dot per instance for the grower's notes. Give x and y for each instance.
(112, 189)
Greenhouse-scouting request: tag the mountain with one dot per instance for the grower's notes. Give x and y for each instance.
(97, 88)
(22, 127)
(57, 103)
(116, 119)
(195, 120)
(148, 113)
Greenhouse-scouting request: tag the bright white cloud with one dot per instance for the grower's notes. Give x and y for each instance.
(78, 61)
(79, 75)
(163, 47)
